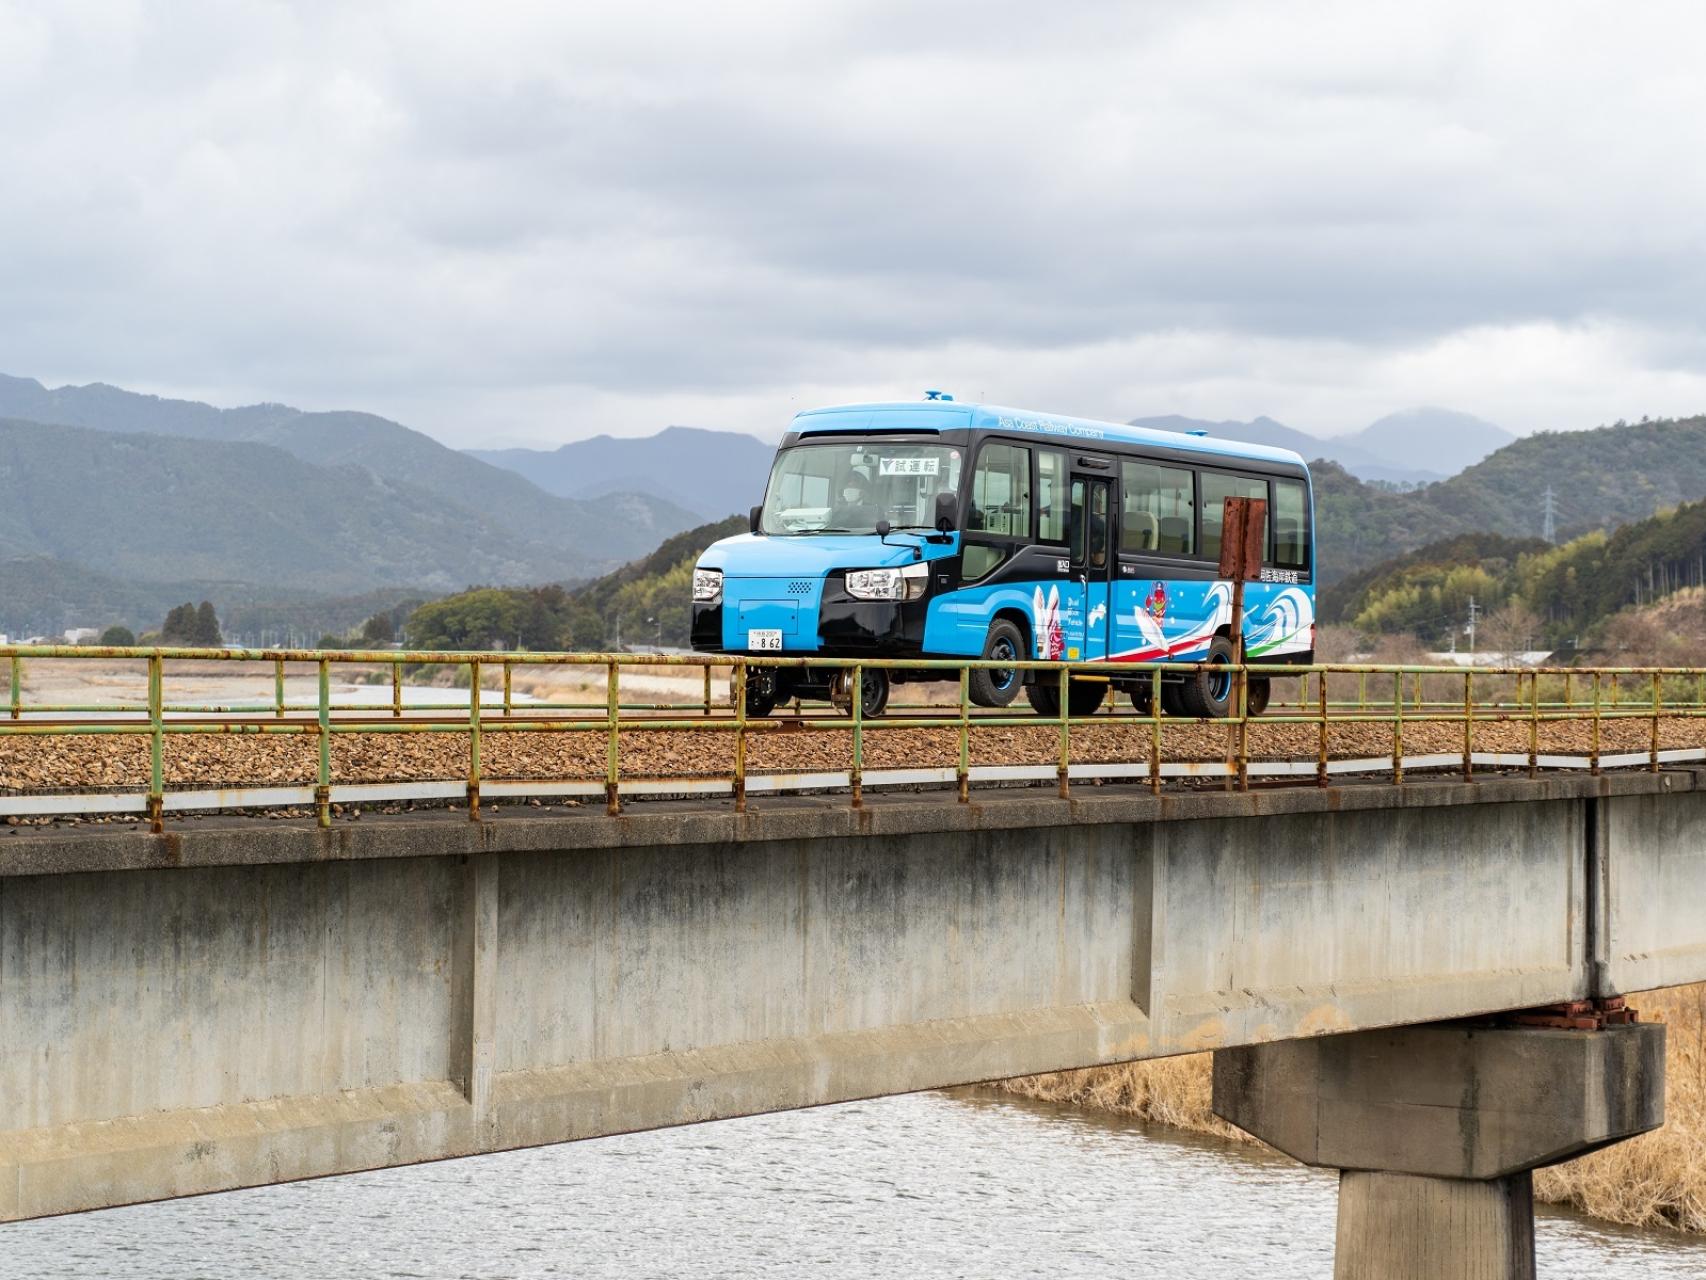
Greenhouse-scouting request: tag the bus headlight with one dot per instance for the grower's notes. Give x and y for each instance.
(888, 584)
(707, 586)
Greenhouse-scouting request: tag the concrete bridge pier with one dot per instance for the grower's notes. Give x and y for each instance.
(1437, 1129)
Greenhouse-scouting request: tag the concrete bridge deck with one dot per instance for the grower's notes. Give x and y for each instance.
(242, 1001)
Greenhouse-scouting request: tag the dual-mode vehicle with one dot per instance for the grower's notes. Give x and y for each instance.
(937, 529)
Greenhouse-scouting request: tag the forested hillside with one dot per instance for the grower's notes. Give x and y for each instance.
(1571, 591)
(1600, 479)
(1604, 477)
(644, 603)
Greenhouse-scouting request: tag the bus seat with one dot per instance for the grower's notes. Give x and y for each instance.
(1144, 530)
(1175, 534)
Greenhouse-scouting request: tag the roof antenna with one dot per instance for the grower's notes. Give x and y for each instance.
(937, 395)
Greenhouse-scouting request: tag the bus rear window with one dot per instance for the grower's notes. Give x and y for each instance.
(1291, 524)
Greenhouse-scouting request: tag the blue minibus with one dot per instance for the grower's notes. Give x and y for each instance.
(941, 529)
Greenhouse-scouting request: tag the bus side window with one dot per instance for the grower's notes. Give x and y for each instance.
(1291, 524)
(1155, 509)
(1051, 495)
(1216, 489)
(1000, 507)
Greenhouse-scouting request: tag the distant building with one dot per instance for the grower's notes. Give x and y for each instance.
(1526, 658)
(82, 635)
(4, 638)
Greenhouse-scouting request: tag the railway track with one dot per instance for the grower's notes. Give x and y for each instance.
(72, 760)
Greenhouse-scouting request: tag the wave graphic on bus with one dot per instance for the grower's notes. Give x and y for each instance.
(1274, 626)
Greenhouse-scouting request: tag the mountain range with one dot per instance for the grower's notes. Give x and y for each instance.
(709, 473)
(1413, 446)
(132, 492)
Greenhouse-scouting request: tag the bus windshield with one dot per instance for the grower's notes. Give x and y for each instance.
(846, 487)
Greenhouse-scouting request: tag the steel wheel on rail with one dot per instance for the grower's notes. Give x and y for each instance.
(998, 686)
(762, 693)
(1207, 693)
(1257, 696)
(1142, 697)
(873, 689)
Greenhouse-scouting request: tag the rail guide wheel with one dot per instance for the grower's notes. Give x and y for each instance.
(874, 690)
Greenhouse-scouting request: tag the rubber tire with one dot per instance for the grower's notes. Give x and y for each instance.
(1200, 687)
(1084, 697)
(874, 691)
(1173, 699)
(1004, 640)
(1256, 697)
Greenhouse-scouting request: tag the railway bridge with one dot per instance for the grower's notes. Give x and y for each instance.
(248, 998)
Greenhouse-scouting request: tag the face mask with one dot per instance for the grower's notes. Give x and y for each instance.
(850, 495)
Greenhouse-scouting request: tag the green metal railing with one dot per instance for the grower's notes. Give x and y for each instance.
(1324, 697)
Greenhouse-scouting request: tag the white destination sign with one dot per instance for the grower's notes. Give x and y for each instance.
(909, 466)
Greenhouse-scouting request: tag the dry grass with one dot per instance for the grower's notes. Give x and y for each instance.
(1658, 1179)
(1654, 1181)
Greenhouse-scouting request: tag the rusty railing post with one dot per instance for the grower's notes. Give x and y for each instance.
(474, 740)
(1593, 756)
(1658, 695)
(1468, 725)
(509, 701)
(323, 776)
(1321, 776)
(856, 694)
(963, 772)
(1243, 732)
(613, 747)
(278, 689)
(156, 741)
(1397, 726)
(1155, 731)
(396, 690)
(1533, 724)
(737, 679)
(1065, 731)
(707, 670)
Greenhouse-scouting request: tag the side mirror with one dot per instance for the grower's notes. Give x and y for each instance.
(754, 518)
(884, 528)
(947, 512)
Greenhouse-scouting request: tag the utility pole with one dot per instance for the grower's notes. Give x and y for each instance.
(1549, 516)
(1474, 612)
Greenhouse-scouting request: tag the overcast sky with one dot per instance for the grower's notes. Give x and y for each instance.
(523, 224)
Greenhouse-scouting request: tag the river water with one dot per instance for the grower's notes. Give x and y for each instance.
(932, 1185)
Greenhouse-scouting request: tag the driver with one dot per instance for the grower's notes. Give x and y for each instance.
(855, 510)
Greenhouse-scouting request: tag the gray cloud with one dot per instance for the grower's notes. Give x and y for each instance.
(502, 223)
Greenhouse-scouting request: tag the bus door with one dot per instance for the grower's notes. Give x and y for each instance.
(1090, 534)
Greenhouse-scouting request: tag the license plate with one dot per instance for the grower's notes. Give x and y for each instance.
(761, 641)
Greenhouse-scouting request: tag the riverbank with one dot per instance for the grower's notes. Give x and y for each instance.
(1658, 1180)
